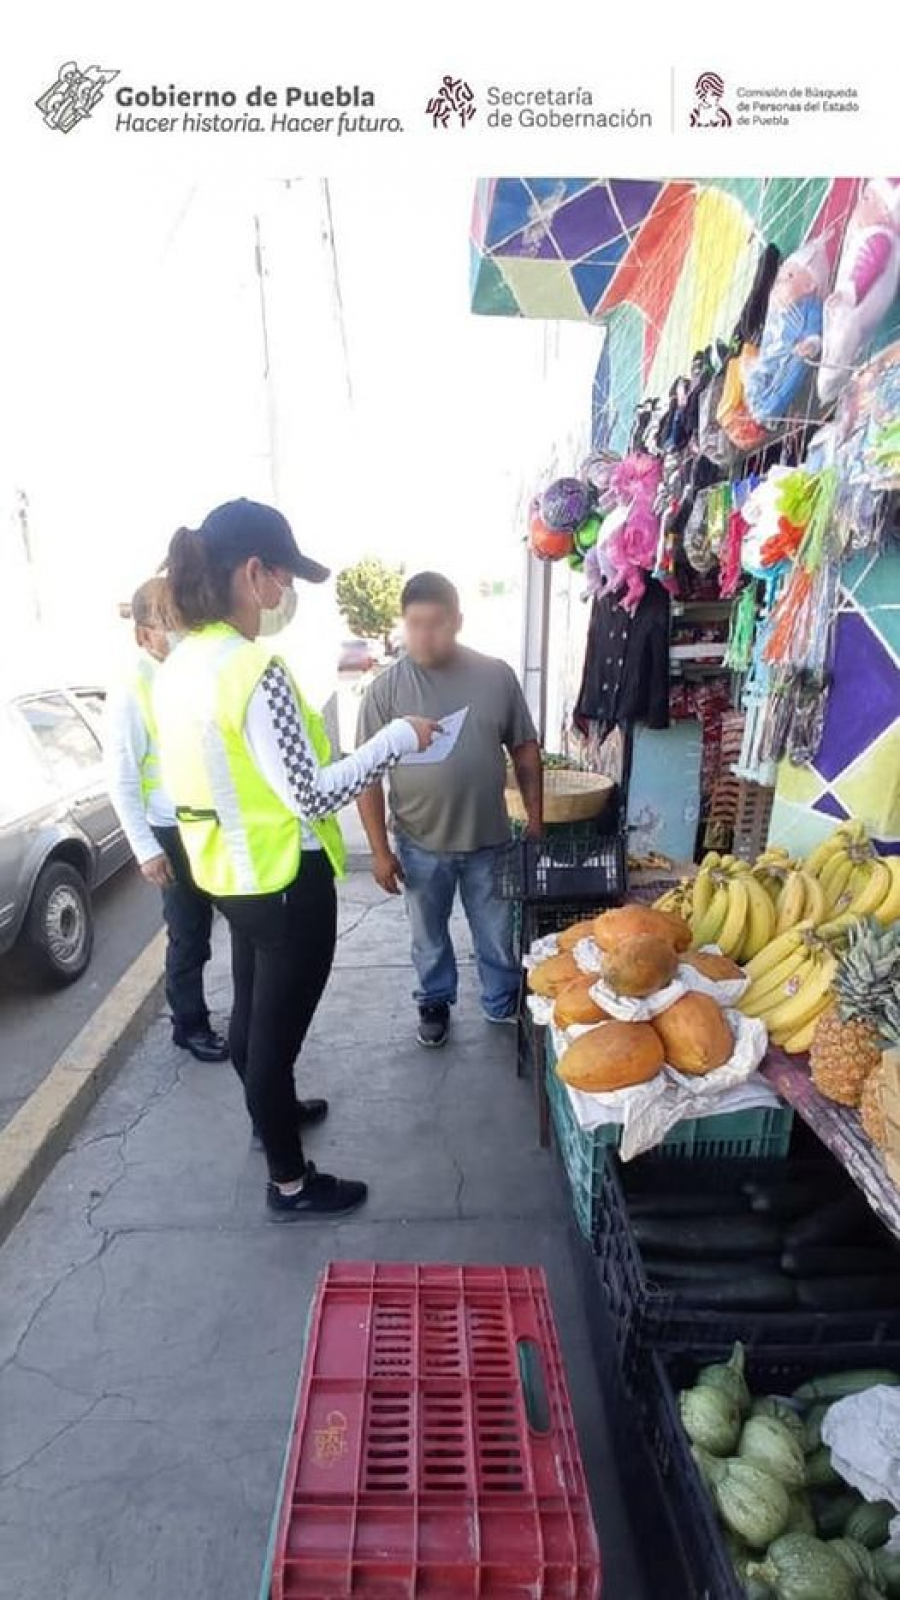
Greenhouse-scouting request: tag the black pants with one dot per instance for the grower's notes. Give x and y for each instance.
(282, 950)
(188, 914)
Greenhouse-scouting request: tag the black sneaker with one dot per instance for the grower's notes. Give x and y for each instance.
(309, 1113)
(321, 1196)
(434, 1026)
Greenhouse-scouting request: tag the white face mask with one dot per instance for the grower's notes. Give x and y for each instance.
(172, 639)
(274, 619)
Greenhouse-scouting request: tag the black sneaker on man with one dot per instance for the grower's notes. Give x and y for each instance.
(321, 1196)
(434, 1026)
(309, 1113)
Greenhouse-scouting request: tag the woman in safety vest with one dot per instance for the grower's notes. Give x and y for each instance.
(247, 764)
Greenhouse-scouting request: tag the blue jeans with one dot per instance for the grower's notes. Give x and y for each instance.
(431, 882)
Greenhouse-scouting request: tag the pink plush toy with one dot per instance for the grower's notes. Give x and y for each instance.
(866, 283)
(631, 549)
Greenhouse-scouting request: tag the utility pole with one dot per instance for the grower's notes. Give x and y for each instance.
(268, 378)
(21, 515)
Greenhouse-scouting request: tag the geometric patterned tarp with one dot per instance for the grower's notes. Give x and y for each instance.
(857, 769)
(663, 264)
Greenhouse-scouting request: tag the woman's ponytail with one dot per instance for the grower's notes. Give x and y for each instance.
(200, 589)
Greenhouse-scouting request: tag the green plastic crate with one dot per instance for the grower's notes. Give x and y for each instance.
(764, 1131)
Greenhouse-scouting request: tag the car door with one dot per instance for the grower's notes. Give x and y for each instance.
(73, 757)
(27, 806)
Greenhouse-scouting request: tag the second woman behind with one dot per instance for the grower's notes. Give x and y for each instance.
(247, 764)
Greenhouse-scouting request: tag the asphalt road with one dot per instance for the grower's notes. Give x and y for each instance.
(36, 1024)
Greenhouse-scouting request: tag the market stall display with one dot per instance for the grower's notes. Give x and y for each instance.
(743, 505)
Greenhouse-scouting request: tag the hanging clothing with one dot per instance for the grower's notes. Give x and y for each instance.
(626, 666)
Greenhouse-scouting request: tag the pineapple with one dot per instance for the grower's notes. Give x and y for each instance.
(847, 1043)
(871, 1109)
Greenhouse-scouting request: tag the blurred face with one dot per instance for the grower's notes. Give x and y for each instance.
(431, 633)
(154, 638)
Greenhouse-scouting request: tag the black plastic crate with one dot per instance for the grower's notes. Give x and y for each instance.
(644, 1315)
(591, 867)
(778, 1370)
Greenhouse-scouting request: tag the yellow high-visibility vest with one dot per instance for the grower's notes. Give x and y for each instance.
(142, 689)
(240, 837)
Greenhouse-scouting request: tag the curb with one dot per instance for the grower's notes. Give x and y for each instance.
(40, 1132)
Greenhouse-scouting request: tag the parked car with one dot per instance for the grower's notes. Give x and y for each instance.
(60, 837)
(357, 655)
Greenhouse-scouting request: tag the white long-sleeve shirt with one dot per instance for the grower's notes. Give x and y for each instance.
(280, 746)
(126, 744)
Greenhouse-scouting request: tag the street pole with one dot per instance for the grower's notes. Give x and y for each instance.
(268, 377)
(21, 514)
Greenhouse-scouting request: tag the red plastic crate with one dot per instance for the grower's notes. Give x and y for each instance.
(433, 1450)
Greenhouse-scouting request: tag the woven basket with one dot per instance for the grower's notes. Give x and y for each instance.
(568, 796)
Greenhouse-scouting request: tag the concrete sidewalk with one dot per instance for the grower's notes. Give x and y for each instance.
(151, 1317)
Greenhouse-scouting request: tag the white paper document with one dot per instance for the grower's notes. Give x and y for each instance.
(443, 743)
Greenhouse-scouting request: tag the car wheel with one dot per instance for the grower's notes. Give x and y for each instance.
(59, 930)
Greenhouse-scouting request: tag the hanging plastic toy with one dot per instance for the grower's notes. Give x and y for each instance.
(566, 504)
(583, 540)
(866, 283)
(597, 472)
(792, 337)
(548, 544)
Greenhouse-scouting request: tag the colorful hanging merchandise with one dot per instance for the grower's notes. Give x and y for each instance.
(866, 283)
(631, 548)
(792, 337)
(548, 544)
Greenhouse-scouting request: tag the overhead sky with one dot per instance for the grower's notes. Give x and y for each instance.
(134, 396)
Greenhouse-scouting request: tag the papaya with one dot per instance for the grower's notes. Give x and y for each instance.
(614, 1055)
(548, 977)
(625, 922)
(694, 1034)
(639, 966)
(575, 1007)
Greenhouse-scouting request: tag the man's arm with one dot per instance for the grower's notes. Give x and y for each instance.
(386, 869)
(526, 759)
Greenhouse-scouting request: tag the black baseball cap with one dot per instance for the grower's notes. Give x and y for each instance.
(240, 529)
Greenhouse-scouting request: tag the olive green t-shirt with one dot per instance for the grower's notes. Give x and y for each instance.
(456, 804)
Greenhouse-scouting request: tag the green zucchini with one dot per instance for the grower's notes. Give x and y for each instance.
(665, 1270)
(842, 1260)
(787, 1200)
(847, 1294)
(870, 1523)
(820, 1474)
(840, 1222)
(831, 1511)
(887, 1565)
(860, 1561)
(832, 1386)
(746, 1291)
(687, 1205)
(730, 1237)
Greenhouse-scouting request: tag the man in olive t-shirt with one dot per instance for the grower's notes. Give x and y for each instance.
(449, 818)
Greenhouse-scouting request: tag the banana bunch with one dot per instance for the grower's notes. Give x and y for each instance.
(677, 900)
(856, 882)
(791, 983)
(731, 909)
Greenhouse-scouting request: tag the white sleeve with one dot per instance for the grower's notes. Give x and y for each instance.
(278, 741)
(125, 745)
